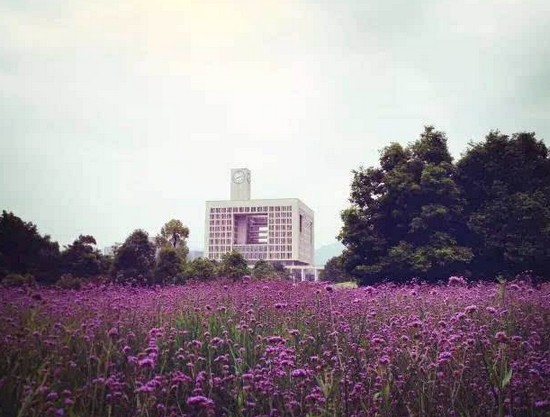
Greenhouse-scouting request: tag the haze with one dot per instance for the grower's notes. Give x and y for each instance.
(122, 115)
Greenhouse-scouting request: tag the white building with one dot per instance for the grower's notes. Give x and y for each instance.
(277, 230)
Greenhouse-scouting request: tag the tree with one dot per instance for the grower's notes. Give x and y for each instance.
(135, 259)
(506, 182)
(405, 218)
(263, 269)
(202, 269)
(280, 270)
(234, 265)
(24, 251)
(174, 234)
(334, 270)
(81, 259)
(169, 268)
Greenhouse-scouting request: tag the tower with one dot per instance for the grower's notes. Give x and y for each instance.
(240, 184)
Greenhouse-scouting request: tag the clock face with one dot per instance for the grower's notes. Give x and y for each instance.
(239, 177)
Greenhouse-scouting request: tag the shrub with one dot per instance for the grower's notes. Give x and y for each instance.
(68, 282)
(234, 265)
(19, 280)
(263, 269)
(202, 269)
(169, 267)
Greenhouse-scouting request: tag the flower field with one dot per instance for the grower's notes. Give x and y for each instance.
(276, 349)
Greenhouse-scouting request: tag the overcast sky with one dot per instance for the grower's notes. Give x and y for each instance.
(117, 115)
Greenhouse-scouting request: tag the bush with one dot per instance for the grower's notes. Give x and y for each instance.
(169, 267)
(263, 269)
(135, 260)
(202, 269)
(68, 282)
(18, 280)
(234, 265)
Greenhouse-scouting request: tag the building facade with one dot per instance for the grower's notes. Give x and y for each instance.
(276, 230)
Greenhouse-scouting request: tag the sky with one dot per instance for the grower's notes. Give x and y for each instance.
(118, 115)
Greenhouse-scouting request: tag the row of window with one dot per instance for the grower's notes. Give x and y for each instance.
(254, 209)
(228, 216)
(261, 255)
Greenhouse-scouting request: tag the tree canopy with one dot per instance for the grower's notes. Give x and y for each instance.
(135, 259)
(506, 185)
(81, 259)
(233, 265)
(405, 219)
(24, 251)
(174, 234)
(420, 215)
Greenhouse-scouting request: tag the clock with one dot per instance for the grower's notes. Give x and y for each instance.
(239, 177)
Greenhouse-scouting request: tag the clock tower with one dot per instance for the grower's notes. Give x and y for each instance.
(240, 184)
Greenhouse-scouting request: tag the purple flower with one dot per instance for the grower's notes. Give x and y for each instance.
(113, 332)
(200, 401)
(501, 337)
(298, 373)
(146, 363)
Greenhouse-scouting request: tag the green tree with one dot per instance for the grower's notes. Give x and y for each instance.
(202, 269)
(174, 234)
(506, 182)
(334, 270)
(406, 217)
(81, 259)
(169, 267)
(233, 265)
(263, 269)
(280, 270)
(135, 259)
(24, 251)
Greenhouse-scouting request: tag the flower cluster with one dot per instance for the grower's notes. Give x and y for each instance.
(276, 349)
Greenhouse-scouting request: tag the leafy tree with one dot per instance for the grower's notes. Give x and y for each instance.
(334, 270)
(280, 270)
(135, 259)
(202, 268)
(234, 265)
(263, 269)
(169, 267)
(506, 182)
(406, 217)
(81, 259)
(174, 234)
(24, 251)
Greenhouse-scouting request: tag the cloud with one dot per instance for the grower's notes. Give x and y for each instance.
(149, 104)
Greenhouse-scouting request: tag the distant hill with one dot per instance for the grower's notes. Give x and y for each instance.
(324, 253)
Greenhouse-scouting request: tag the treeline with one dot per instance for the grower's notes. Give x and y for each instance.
(420, 214)
(27, 258)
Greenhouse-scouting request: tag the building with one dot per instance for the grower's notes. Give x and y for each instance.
(276, 230)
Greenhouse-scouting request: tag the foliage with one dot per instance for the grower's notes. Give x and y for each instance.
(274, 348)
(263, 269)
(281, 271)
(406, 216)
(233, 265)
(506, 182)
(169, 267)
(82, 259)
(334, 271)
(18, 280)
(69, 282)
(174, 234)
(202, 269)
(23, 250)
(135, 259)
